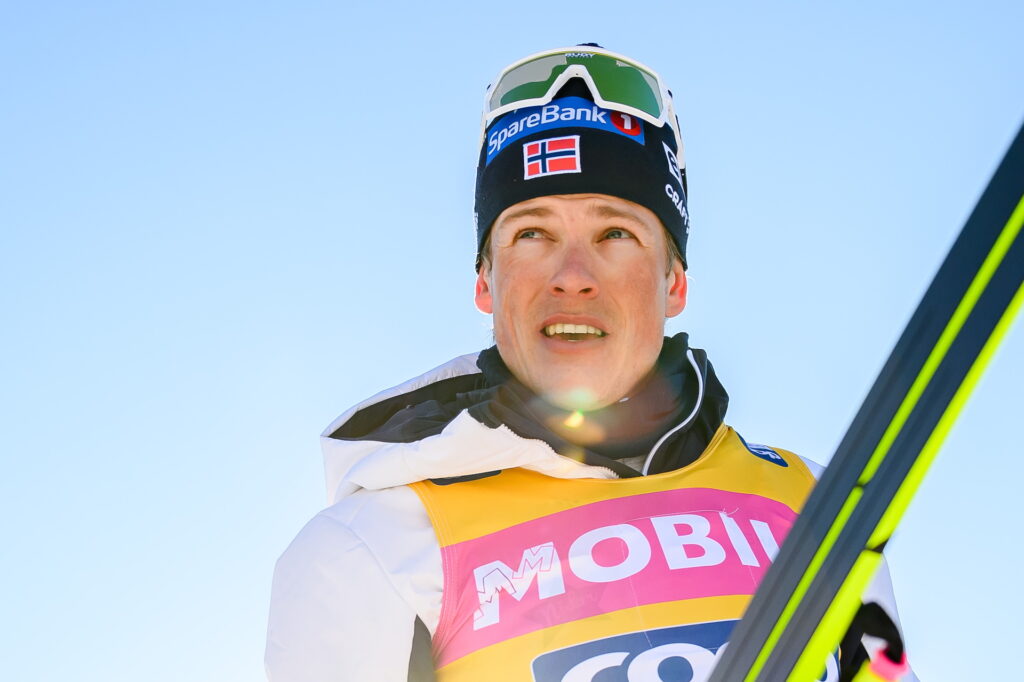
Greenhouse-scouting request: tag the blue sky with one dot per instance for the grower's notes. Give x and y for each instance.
(221, 224)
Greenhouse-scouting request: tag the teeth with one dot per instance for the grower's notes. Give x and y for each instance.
(562, 328)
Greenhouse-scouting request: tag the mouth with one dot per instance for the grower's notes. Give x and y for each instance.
(572, 332)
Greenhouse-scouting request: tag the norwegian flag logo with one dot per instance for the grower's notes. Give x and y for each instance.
(552, 156)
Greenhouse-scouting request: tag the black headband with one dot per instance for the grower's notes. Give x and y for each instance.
(572, 146)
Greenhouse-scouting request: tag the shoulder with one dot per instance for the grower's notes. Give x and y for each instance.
(379, 527)
(816, 469)
(379, 518)
(370, 537)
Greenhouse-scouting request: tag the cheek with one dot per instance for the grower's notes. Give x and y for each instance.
(513, 294)
(646, 302)
(510, 310)
(646, 296)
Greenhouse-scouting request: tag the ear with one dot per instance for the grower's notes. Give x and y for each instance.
(483, 298)
(675, 297)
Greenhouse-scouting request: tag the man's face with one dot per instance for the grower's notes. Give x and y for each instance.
(592, 261)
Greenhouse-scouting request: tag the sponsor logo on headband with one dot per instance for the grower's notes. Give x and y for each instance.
(676, 196)
(626, 124)
(673, 163)
(679, 201)
(561, 113)
(553, 156)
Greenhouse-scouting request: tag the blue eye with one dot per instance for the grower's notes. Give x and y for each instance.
(528, 234)
(618, 233)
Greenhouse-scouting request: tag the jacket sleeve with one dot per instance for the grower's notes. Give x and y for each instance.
(334, 613)
(880, 591)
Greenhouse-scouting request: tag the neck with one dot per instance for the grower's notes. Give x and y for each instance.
(631, 427)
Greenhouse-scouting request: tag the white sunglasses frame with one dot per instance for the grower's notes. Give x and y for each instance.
(668, 114)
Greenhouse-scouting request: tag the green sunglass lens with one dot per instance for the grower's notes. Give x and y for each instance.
(624, 83)
(616, 81)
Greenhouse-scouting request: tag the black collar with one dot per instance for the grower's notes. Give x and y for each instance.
(672, 416)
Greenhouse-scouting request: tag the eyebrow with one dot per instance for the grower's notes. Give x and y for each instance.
(537, 212)
(605, 211)
(601, 211)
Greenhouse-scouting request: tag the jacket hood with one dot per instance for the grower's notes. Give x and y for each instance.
(414, 432)
(471, 416)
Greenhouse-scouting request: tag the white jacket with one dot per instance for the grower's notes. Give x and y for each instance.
(347, 591)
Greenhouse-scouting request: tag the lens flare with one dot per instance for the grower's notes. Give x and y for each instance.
(577, 399)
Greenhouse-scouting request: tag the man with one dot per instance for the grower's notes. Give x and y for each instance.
(567, 505)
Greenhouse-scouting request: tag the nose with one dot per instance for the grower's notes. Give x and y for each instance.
(573, 275)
